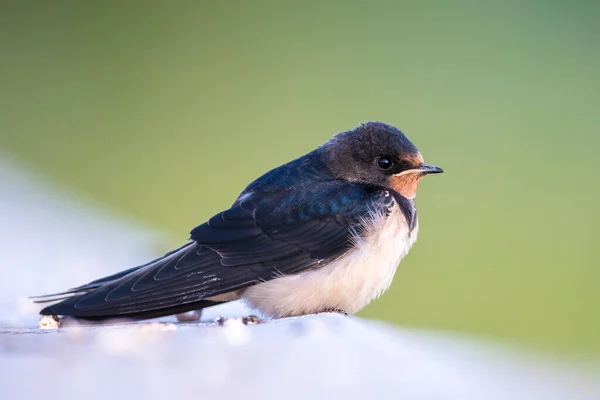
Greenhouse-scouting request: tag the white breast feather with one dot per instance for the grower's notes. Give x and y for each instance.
(349, 283)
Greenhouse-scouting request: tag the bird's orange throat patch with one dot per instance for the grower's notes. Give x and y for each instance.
(406, 184)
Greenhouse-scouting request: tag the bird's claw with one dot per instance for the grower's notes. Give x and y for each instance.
(249, 320)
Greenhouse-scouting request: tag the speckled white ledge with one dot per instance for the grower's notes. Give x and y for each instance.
(321, 356)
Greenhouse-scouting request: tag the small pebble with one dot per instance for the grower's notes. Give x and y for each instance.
(49, 322)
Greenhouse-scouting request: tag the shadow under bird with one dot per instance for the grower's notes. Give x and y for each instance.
(322, 233)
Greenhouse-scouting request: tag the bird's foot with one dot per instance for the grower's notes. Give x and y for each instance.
(335, 310)
(249, 320)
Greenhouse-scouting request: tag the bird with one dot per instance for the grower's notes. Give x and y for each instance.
(324, 232)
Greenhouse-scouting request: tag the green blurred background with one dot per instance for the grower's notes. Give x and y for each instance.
(165, 110)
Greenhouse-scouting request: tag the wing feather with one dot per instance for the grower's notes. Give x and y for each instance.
(262, 236)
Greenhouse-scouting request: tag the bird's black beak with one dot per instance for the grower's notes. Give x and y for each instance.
(429, 169)
(422, 169)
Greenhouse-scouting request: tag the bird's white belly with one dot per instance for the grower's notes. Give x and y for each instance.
(349, 283)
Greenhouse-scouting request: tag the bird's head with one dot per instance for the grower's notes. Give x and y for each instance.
(378, 154)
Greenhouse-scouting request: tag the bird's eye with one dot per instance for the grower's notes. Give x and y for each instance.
(384, 162)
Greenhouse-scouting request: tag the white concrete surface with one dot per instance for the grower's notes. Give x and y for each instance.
(314, 357)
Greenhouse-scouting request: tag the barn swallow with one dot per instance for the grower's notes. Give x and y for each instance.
(324, 232)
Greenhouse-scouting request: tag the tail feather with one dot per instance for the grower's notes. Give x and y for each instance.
(146, 314)
(46, 298)
(50, 299)
(65, 303)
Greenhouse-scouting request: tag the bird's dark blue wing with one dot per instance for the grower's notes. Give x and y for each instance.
(263, 235)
